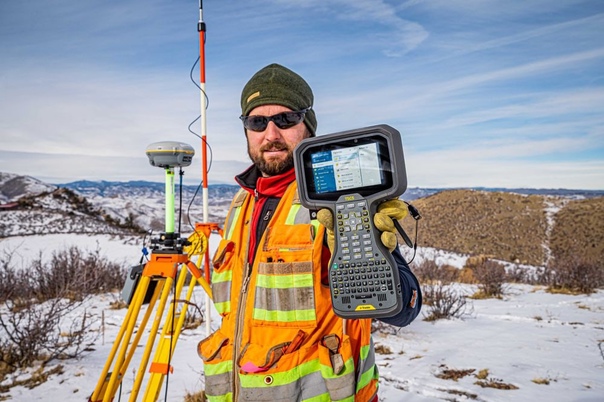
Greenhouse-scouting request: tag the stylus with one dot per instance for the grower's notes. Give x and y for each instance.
(402, 233)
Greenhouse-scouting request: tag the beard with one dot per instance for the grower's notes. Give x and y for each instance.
(272, 166)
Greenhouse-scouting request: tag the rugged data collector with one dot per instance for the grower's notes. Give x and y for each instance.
(350, 173)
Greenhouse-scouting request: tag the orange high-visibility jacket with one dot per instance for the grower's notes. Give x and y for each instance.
(279, 339)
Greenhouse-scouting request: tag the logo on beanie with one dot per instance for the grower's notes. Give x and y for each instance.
(252, 96)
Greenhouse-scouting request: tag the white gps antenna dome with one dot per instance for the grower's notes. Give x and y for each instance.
(169, 154)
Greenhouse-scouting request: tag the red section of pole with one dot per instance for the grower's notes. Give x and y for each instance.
(201, 28)
(204, 147)
(202, 81)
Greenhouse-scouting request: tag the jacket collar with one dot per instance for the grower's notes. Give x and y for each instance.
(274, 186)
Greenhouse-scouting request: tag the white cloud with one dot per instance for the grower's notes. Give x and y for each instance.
(468, 76)
(449, 169)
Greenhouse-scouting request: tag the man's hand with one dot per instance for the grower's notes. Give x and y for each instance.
(383, 221)
(386, 211)
(325, 218)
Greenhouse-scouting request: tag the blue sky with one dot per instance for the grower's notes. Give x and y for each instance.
(486, 93)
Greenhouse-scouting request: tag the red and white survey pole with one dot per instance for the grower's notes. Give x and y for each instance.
(201, 28)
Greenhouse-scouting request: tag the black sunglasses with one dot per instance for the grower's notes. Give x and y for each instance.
(282, 120)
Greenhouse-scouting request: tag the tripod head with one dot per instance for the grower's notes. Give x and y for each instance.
(168, 155)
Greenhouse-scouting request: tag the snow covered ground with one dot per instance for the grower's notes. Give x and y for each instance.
(545, 346)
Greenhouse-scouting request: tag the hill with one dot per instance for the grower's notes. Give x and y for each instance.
(528, 226)
(13, 187)
(527, 229)
(57, 211)
(26, 207)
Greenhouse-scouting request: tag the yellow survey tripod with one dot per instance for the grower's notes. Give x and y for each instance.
(159, 276)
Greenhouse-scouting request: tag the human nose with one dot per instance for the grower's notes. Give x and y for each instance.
(272, 132)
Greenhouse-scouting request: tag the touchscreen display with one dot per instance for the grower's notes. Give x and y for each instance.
(346, 168)
(359, 165)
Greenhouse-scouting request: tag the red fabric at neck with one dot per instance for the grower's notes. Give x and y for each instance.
(275, 186)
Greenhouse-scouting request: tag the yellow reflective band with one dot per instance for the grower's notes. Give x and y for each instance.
(366, 378)
(327, 371)
(284, 316)
(224, 307)
(225, 276)
(231, 227)
(220, 368)
(285, 281)
(221, 398)
(291, 216)
(319, 398)
(370, 373)
(364, 352)
(315, 224)
(286, 377)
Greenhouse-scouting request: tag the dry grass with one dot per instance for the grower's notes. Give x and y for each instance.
(118, 304)
(464, 394)
(497, 384)
(507, 226)
(453, 374)
(196, 397)
(510, 227)
(38, 377)
(382, 349)
(580, 228)
(541, 381)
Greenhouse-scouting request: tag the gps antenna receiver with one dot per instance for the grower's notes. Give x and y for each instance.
(169, 154)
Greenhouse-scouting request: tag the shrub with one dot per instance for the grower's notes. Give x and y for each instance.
(70, 273)
(491, 278)
(37, 324)
(575, 274)
(11, 280)
(42, 332)
(428, 271)
(383, 328)
(439, 298)
(443, 301)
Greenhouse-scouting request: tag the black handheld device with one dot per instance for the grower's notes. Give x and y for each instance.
(349, 173)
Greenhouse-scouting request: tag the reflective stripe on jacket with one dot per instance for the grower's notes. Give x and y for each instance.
(279, 339)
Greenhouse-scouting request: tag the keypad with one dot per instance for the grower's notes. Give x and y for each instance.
(360, 273)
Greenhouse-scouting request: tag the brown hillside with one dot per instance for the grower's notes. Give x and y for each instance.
(580, 226)
(508, 226)
(511, 227)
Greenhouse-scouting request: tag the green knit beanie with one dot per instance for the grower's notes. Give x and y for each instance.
(278, 85)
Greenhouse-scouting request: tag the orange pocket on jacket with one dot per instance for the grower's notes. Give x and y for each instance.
(209, 348)
(257, 359)
(215, 350)
(289, 238)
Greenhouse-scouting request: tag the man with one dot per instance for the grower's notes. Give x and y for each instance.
(279, 339)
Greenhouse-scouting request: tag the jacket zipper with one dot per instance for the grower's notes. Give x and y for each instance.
(241, 312)
(238, 330)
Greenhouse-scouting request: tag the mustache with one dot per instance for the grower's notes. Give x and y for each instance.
(274, 146)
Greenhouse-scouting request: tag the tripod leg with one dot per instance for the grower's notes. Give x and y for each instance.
(141, 327)
(109, 382)
(160, 366)
(151, 340)
(196, 272)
